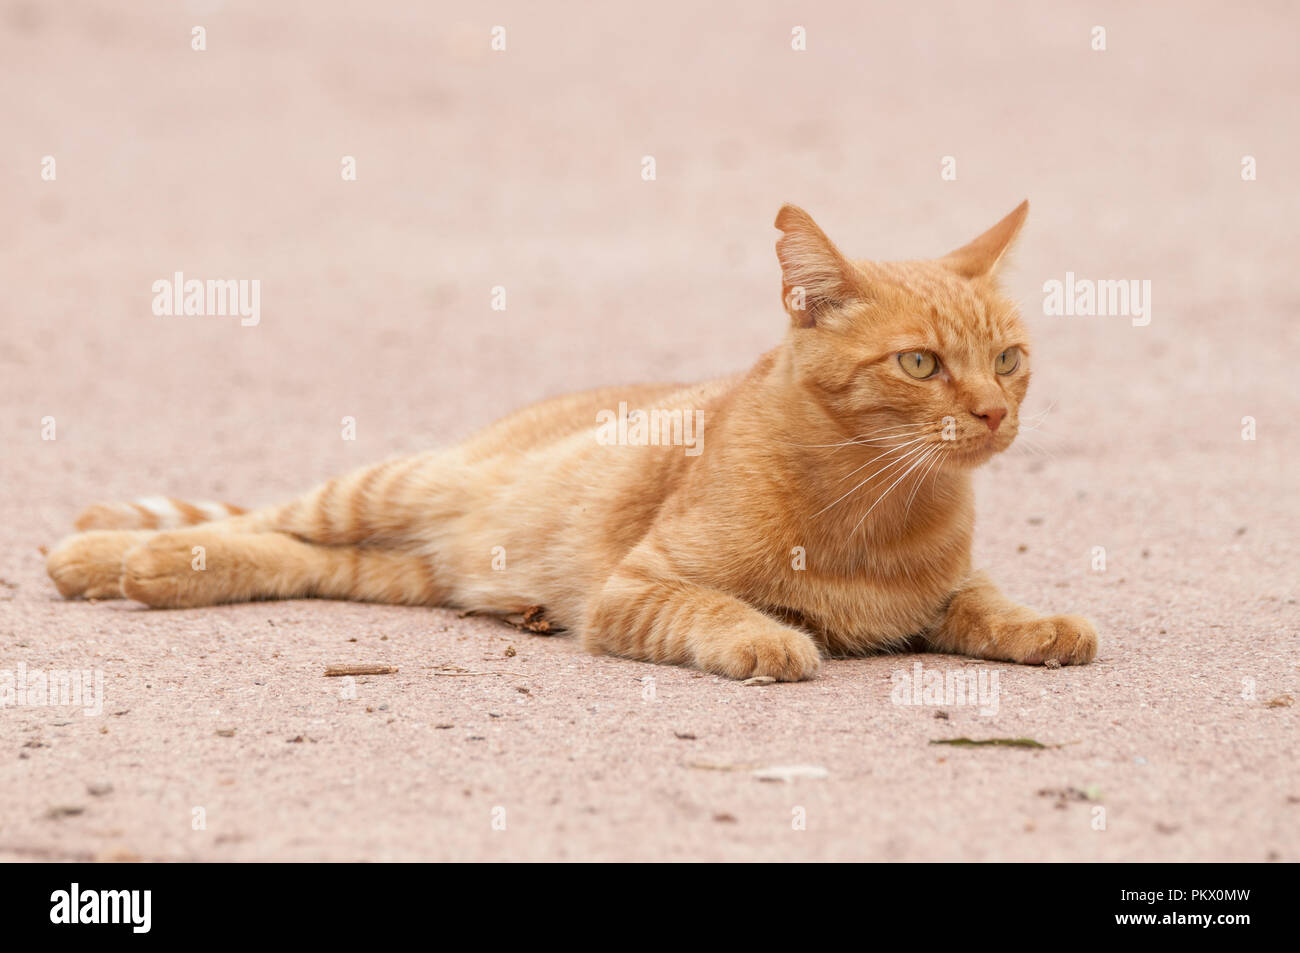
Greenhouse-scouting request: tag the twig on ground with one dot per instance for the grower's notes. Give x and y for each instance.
(334, 671)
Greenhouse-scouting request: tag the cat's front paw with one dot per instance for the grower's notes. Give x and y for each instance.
(1064, 639)
(776, 651)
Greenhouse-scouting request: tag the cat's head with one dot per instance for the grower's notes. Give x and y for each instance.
(928, 351)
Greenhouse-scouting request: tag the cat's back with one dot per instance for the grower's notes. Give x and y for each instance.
(556, 419)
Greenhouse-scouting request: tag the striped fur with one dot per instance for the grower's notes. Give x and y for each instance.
(152, 512)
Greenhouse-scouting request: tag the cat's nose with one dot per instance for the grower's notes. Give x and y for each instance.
(993, 416)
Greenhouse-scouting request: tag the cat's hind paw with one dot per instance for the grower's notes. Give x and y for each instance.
(89, 565)
(168, 572)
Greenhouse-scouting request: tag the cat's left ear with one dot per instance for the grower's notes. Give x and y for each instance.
(982, 256)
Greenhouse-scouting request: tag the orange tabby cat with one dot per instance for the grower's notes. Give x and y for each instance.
(819, 504)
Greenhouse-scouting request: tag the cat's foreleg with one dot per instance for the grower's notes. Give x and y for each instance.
(981, 622)
(663, 619)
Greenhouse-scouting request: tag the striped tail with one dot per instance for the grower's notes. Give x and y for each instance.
(154, 512)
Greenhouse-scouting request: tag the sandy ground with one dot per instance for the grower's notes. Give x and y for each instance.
(219, 739)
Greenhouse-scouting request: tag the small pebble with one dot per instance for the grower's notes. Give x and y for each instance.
(791, 772)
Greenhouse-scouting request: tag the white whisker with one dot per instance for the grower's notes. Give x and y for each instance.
(881, 456)
(882, 470)
(853, 442)
(885, 494)
(935, 459)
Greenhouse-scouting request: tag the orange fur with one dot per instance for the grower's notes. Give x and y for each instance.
(828, 511)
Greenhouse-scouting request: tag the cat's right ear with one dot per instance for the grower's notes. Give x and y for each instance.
(816, 280)
(981, 257)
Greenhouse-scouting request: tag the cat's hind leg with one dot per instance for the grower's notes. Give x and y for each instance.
(346, 539)
(89, 565)
(207, 566)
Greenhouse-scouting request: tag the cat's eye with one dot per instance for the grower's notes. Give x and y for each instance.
(1007, 361)
(919, 364)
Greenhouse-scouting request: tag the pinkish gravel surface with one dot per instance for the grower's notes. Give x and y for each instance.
(522, 169)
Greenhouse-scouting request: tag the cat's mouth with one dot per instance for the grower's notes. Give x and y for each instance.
(975, 450)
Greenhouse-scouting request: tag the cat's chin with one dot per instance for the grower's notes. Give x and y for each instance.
(974, 453)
